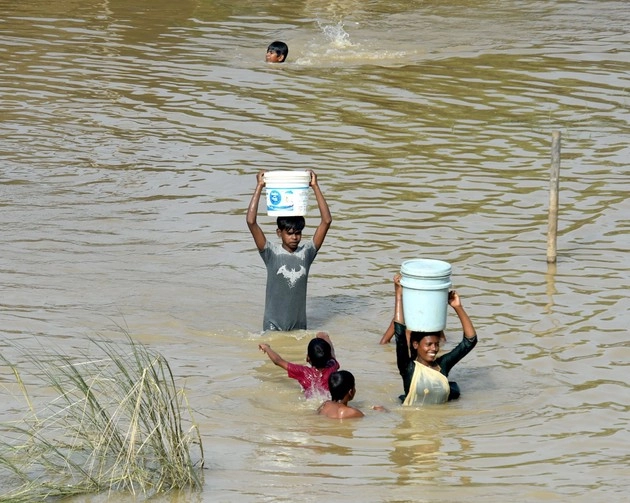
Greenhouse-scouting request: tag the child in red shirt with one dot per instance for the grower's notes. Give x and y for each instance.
(313, 377)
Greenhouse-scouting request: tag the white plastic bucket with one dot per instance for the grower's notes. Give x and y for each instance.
(287, 192)
(425, 283)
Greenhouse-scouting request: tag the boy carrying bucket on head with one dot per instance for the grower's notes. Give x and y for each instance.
(288, 262)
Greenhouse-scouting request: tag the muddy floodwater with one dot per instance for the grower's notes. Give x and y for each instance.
(132, 133)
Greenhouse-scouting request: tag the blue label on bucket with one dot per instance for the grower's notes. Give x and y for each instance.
(278, 202)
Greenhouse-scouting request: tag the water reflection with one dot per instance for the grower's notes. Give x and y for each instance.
(551, 286)
(418, 446)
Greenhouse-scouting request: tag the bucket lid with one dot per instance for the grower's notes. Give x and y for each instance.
(426, 268)
(293, 176)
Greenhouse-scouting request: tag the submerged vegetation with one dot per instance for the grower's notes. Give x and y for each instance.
(115, 423)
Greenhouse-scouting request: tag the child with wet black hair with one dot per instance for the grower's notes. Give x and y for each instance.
(342, 390)
(277, 52)
(313, 378)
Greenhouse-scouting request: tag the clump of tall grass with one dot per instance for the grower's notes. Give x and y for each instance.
(116, 423)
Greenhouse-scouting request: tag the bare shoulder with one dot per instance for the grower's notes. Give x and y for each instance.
(335, 410)
(347, 412)
(322, 408)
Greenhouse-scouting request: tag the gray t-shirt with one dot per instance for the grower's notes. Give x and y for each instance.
(287, 277)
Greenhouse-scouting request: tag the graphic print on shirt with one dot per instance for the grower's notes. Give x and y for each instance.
(292, 275)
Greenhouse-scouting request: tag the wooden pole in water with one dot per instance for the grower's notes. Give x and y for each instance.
(554, 182)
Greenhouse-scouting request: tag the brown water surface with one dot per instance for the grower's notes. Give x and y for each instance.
(131, 135)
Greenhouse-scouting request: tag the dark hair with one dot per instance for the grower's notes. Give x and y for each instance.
(418, 336)
(291, 223)
(340, 384)
(280, 48)
(319, 353)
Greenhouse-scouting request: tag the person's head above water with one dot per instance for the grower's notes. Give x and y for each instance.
(277, 52)
(295, 223)
(319, 353)
(341, 385)
(425, 346)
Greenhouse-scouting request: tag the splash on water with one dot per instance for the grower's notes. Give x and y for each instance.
(336, 34)
(336, 47)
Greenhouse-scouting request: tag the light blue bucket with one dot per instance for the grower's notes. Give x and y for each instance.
(425, 283)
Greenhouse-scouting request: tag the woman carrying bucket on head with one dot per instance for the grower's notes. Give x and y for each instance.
(426, 283)
(424, 373)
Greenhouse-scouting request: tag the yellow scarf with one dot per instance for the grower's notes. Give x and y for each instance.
(428, 386)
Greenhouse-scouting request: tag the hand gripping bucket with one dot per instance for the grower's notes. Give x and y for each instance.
(425, 283)
(287, 192)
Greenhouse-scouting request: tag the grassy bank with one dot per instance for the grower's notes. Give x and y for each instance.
(112, 419)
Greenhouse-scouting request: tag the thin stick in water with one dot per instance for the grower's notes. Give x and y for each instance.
(554, 182)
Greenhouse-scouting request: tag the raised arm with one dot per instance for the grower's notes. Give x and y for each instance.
(324, 212)
(273, 356)
(252, 212)
(326, 337)
(388, 334)
(403, 354)
(398, 314)
(455, 302)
